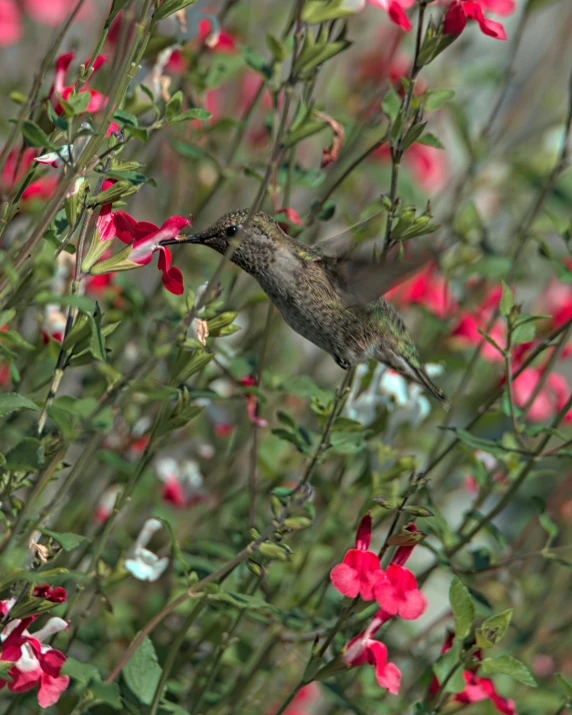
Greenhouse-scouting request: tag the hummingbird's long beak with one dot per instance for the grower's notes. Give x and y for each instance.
(193, 238)
(199, 237)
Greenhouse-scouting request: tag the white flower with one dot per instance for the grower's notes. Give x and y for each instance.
(142, 563)
(183, 482)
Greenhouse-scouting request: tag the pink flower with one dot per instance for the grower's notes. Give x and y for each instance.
(364, 649)
(550, 400)
(106, 502)
(466, 331)
(292, 218)
(395, 10)
(360, 570)
(462, 10)
(303, 700)
(10, 23)
(427, 164)
(556, 301)
(60, 89)
(17, 164)
(426, 288)
(34, 662)
(252, 403)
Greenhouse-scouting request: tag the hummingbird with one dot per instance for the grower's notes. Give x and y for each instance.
(323, 292)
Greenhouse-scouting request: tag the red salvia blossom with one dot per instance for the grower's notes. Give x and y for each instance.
(396, 591)
(360, 569)
(364, 649)
(61, 89)
(462, 10)
(145, 238)
(291, 216)
(35, 663)
(465, 333)
(550, 399)
(45, 591)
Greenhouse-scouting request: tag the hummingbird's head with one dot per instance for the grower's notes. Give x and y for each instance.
(256, 239)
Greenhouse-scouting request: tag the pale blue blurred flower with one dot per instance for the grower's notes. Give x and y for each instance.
(142, 563)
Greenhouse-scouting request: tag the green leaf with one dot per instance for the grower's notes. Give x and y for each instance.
(255, 61)
(26, 456)
(348, 442)
(76, 103)
(485, 445)
(35, 136)
(107, 693)
(173, 106)
(66, 540)
(142, 671)
(316, 11)
(391, 104)
(430, 140)
(565, 685)
(523, 333)
(445, 664)
(12, 402)
(169, 7)
(6, 316)
(84, 673)
(304, 387)
(242, 601)
(507, 665)
(493, 629)
(463, 608)
(436, 98)
(81, 302)
(194, 113)
(5, 666)
(506, 301)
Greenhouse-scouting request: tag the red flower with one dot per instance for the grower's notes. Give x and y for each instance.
(303, 700)
(364, 649)
(45, 591)
(46, 13)
(466, 331)
(292, 218)
(16, 166)
(145, 238)
(462, 10)
(360, 569)
(398, 594)
(34, 661)
(182, 482)
(60, 89)
(395, 10)
(215, 38)
(426, 288)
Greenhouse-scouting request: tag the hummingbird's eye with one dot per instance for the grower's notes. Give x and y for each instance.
(231, 230)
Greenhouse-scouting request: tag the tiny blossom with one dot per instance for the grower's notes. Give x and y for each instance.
(465, 332)
(45, 591)
(35, 663)
(364, 649)
(462, 10)
(291, 216)
(252, 403)
(182, 482)
(54, 324)
(360, 569)
(142, 563)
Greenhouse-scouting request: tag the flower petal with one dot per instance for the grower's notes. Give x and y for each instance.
(345, 580)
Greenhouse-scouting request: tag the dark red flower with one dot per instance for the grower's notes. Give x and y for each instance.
(462, 10)
(60, 89)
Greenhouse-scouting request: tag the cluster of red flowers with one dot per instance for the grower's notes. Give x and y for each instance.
(395, 590)
(35, 663)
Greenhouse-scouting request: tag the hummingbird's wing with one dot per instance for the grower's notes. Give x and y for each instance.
(351, 262)
(361, 281)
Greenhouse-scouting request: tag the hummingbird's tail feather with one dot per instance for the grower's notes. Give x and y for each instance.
(424, 379)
